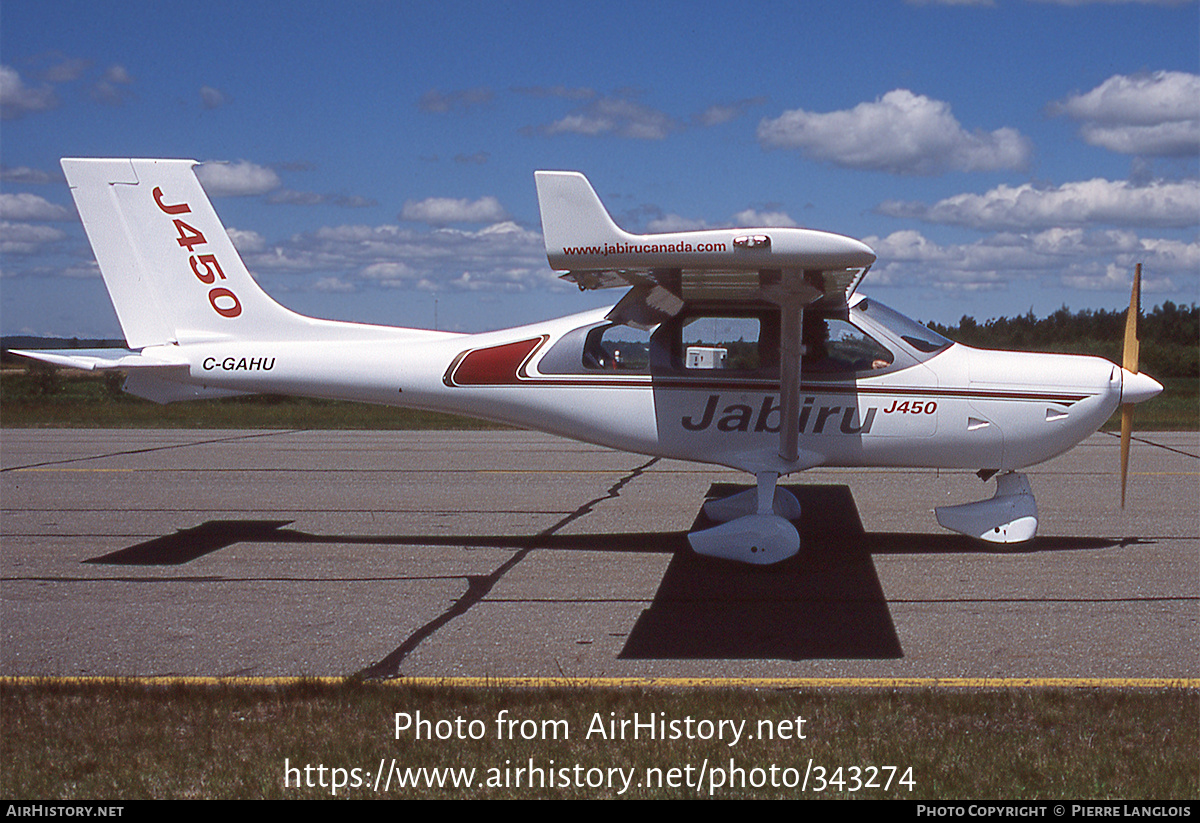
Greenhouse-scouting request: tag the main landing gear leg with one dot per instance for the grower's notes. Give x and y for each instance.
(755, 525)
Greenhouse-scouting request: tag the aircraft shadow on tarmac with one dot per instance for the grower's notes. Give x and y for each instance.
(824, 603)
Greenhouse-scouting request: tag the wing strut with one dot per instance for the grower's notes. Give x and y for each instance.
(792, 294)
(757, 525)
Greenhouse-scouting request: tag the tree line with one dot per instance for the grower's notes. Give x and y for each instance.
(1169, 335)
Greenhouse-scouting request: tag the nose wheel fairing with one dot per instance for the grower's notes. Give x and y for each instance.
(1009, 516)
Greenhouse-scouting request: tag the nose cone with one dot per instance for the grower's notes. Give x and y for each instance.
(1138, 387)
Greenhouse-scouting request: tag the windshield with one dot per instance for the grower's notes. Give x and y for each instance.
(911, 332)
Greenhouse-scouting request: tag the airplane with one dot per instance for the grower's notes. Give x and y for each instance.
(749, 348)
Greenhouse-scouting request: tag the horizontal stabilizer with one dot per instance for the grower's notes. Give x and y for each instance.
(93, 359)
(151, 372)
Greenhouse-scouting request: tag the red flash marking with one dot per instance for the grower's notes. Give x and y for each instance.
(494, 366)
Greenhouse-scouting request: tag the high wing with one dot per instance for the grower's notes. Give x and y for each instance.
(726, 265)
(792, 268)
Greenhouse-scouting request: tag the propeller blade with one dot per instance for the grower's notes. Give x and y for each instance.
(1126, 433)
(1129, 361)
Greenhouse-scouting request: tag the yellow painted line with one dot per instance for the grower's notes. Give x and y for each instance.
(826, 683)
(1189, 683)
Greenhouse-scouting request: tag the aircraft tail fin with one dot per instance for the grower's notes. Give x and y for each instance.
(574, 221)
(170, 268)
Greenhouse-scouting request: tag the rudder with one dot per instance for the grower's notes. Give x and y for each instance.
(171, 270)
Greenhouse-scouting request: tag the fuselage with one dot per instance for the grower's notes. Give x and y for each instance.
(913, 399)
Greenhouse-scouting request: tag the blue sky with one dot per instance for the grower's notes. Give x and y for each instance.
(374, 161)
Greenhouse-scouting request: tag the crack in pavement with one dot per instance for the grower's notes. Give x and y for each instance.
(1152, 443)
(148, 449)
(478, 586)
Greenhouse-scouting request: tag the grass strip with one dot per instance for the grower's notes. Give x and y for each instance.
(125, 739)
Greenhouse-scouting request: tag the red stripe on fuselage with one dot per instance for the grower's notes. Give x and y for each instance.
(493, 366)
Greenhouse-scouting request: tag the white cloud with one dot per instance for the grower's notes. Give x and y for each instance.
(502, 257)
(334, 284)
(1149, 114)
(617, 116)
(908, 245)
(900, 133)
(1094, 260)
(664, 223)
(389, 271)
(442, 211)
(67, 69)
(211, 98)
(1162, 203)
(239, 179)
(24, 175)
(724, 112)
(246, 241)
(108, 88)
(17, 99)
(117, 74)
(31, 207)
(1103, 278)
(291, 197)
(26, 238)
(674, 222)
(352, 201)
(753, 218)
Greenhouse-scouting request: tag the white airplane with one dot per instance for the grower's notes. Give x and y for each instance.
(746, 348)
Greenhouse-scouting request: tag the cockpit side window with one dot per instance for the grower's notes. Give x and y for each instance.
(732, 342)
(747, 344)
(833, 345)
(617, 348)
